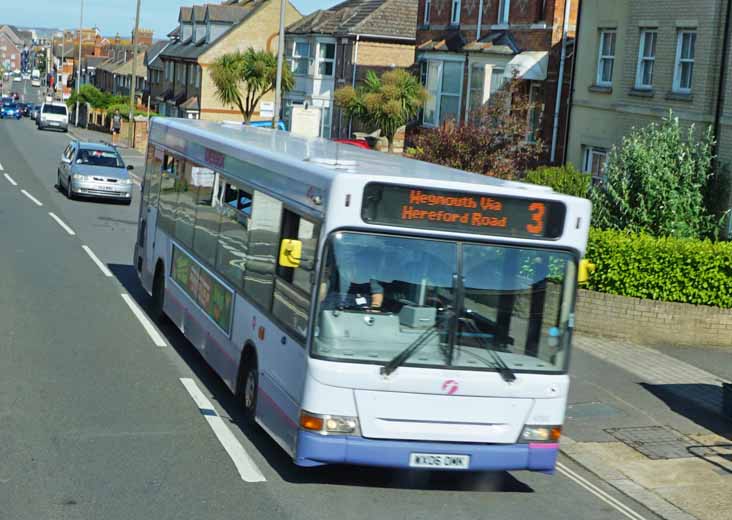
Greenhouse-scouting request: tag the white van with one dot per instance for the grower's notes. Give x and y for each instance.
(53, 115)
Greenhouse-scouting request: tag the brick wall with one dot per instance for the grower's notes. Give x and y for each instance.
(651, 322)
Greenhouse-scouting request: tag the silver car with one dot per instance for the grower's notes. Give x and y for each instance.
(94, 170)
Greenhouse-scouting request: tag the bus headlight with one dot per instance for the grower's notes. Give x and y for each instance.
(541, 434)
(329, 424)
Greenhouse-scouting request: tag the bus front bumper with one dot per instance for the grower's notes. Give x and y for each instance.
(314, 450)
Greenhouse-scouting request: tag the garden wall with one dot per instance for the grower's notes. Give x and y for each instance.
(652, 322)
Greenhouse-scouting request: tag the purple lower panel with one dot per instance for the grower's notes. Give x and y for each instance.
(314, 449)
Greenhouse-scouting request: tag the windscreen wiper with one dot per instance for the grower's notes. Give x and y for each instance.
(508, 375)
(413, 347)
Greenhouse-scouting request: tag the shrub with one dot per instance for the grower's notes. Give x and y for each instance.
(656, 182)
(563, 179)
(492, 141)
(684, 270)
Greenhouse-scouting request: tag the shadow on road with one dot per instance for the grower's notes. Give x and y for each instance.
(280, 461)
(684, 399)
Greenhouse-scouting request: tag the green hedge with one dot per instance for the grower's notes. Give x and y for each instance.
(667, 269)
(563, 179)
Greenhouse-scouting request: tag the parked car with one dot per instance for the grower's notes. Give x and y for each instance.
(10, 111)
(94, 170)
(361, 143)
(53, 115)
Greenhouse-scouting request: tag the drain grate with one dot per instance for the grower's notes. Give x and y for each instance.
(657, 442)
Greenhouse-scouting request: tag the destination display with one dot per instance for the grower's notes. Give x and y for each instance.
(463, 212)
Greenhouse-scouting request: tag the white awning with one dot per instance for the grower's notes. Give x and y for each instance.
(529, 65)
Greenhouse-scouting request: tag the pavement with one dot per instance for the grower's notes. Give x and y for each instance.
(97, 422)
(654, 429)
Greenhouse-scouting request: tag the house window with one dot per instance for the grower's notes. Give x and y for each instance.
(485, 80)
(326, 59)
(536, 109)
(684, 70)
(198, 76)
(504, 8)
(300, 58)
(427, 7)
(455, 13)
(325, 122)
(646, 60)
(594, 162)
(443, 82)
(606, 58)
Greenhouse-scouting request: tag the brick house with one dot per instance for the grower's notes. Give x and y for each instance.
(335, 47)
(155, 70)
(637, 61)
(203, 35)
(467, 49)
(10, 53)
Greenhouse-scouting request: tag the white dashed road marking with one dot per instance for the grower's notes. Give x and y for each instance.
(10, 179)
(144, 321)
(246, 467)
(62, 224)
(96, 260)
(32, 198)
(1, 167)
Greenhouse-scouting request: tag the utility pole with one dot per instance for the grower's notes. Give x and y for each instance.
(133, 79)
(78, 65)
(280, 59)
(63, 61)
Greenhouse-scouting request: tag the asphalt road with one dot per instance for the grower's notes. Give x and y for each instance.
(94, 419)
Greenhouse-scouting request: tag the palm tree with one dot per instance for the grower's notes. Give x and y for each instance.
(242, 79)
(385, 103)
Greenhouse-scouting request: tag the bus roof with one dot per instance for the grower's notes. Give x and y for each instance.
(323, 159)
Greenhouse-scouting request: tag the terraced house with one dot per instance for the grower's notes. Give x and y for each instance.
(467, 49)
(204, 33)
(335, 47)
(637, 61)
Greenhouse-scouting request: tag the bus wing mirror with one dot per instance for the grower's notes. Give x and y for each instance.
(586, 268)
(290, 253)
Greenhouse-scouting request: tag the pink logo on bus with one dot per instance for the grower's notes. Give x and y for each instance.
(450, 386)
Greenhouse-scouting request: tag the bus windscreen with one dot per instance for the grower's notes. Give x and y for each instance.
(463, 212)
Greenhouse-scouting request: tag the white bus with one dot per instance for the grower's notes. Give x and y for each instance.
(365, 308)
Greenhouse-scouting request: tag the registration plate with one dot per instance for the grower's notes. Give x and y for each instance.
(106, 188)
(53, 123)
(439, 461)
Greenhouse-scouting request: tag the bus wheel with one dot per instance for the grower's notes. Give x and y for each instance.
(158, 294)
(249, 390)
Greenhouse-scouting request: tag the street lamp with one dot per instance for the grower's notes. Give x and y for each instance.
(78, 65)
(133, 79)
(280, 59)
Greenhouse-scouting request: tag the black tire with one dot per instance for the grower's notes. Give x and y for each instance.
(158, 295)
(59, 187)
(248, 388)
(127, 202)
(69, 189)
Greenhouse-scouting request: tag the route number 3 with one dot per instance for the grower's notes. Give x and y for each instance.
(537, 210)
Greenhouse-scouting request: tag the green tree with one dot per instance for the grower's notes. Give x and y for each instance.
(242, 79)
(386, 103)
(656, 182)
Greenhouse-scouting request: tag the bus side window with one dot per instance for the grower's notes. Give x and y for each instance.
(153, 172)
(185, 209)
(168, 195)
(208, 218)
(264, 243)
(233, 237)
(293, 286)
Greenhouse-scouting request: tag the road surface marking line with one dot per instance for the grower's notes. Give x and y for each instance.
(62, 224)
(31, 197)
(146, 323)
(248, 470)
(1, 167)
(10, 179)
(96, 260)
(599, 493)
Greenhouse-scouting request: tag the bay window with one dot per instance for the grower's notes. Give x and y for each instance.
(300, 58)
(443, 81)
